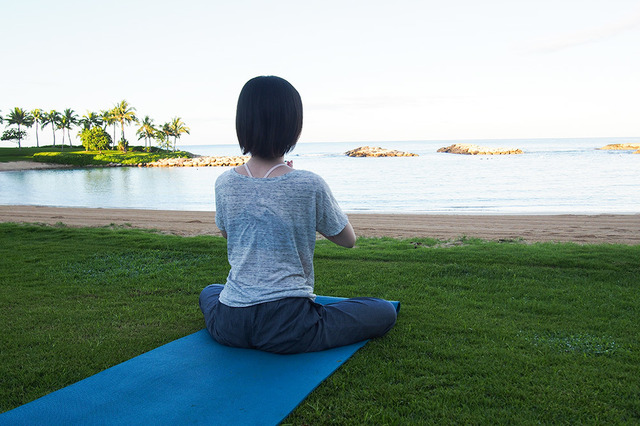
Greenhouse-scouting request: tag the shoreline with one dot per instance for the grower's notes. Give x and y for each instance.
(583, 229)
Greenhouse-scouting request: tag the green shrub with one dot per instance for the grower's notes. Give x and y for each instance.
(95, 139)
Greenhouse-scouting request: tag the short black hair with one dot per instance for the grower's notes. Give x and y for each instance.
(268, 117)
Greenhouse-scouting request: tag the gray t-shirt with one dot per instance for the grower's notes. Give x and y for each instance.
(271, 228)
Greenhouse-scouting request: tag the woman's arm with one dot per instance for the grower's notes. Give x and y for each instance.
(346, 237)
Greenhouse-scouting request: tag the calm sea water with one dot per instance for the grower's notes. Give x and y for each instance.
(553, 176)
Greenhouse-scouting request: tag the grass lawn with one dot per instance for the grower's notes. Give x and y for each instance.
(85, 158)
(77, 156)
(26, 153)
(487, 332)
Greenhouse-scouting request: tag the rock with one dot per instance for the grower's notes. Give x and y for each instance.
(471, 149)
(201, 161)
(368, 151)
(636, 152)
(622, 146)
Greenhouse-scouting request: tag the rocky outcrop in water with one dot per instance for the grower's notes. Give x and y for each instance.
(200, 162)
(368, 151)
(623, 147)
(471, 149)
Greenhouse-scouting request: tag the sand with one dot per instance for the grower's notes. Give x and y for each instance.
(30, 165)
(618, 229)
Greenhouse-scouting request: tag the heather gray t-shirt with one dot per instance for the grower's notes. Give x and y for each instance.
(271, 228)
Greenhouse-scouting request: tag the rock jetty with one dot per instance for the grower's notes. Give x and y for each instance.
(369, 151)
(623, 147)
(199, 162)
(471, 149)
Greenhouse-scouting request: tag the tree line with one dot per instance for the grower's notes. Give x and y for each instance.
(93, 127)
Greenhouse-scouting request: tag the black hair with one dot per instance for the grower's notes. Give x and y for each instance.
(268, 117)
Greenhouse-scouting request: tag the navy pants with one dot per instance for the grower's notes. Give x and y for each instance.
(295, 325)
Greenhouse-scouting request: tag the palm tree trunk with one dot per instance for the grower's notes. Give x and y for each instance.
(37, 141)
(19, 138)
(53, 129)
(124, 143)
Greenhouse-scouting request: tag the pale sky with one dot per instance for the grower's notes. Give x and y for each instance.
(366, 70)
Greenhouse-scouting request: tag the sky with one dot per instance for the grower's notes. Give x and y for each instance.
(366, 70)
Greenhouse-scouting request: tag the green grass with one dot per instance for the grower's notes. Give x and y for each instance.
(26, 154)
(77, 156)
(487, 332)
(85, 158)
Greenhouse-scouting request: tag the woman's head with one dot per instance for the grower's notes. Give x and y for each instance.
(268, 117)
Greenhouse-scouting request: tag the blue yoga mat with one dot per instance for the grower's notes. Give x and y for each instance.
(190, 380)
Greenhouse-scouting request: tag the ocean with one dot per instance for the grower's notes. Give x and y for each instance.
(553, 176)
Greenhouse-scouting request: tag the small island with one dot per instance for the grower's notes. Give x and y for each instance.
(50, 157)
(471, 149)
(623, 147)
(368, 151)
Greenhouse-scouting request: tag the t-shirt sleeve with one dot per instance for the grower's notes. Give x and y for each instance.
(330, 219)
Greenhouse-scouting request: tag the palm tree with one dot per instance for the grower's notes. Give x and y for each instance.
(91, 119)
(38, 116)
(123, 113)
(52, 117)
(19, 117)
(178, 127)
(71, 119)
(61, 124)
(167, 131)
(146, 130)
(162, 136)
(107, 120)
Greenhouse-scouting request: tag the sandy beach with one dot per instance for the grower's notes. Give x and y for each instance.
(30, 165)
(617, 229)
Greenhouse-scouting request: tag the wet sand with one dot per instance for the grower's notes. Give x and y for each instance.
(606, 228)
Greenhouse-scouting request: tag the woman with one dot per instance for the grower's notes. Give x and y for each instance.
(269, 214)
